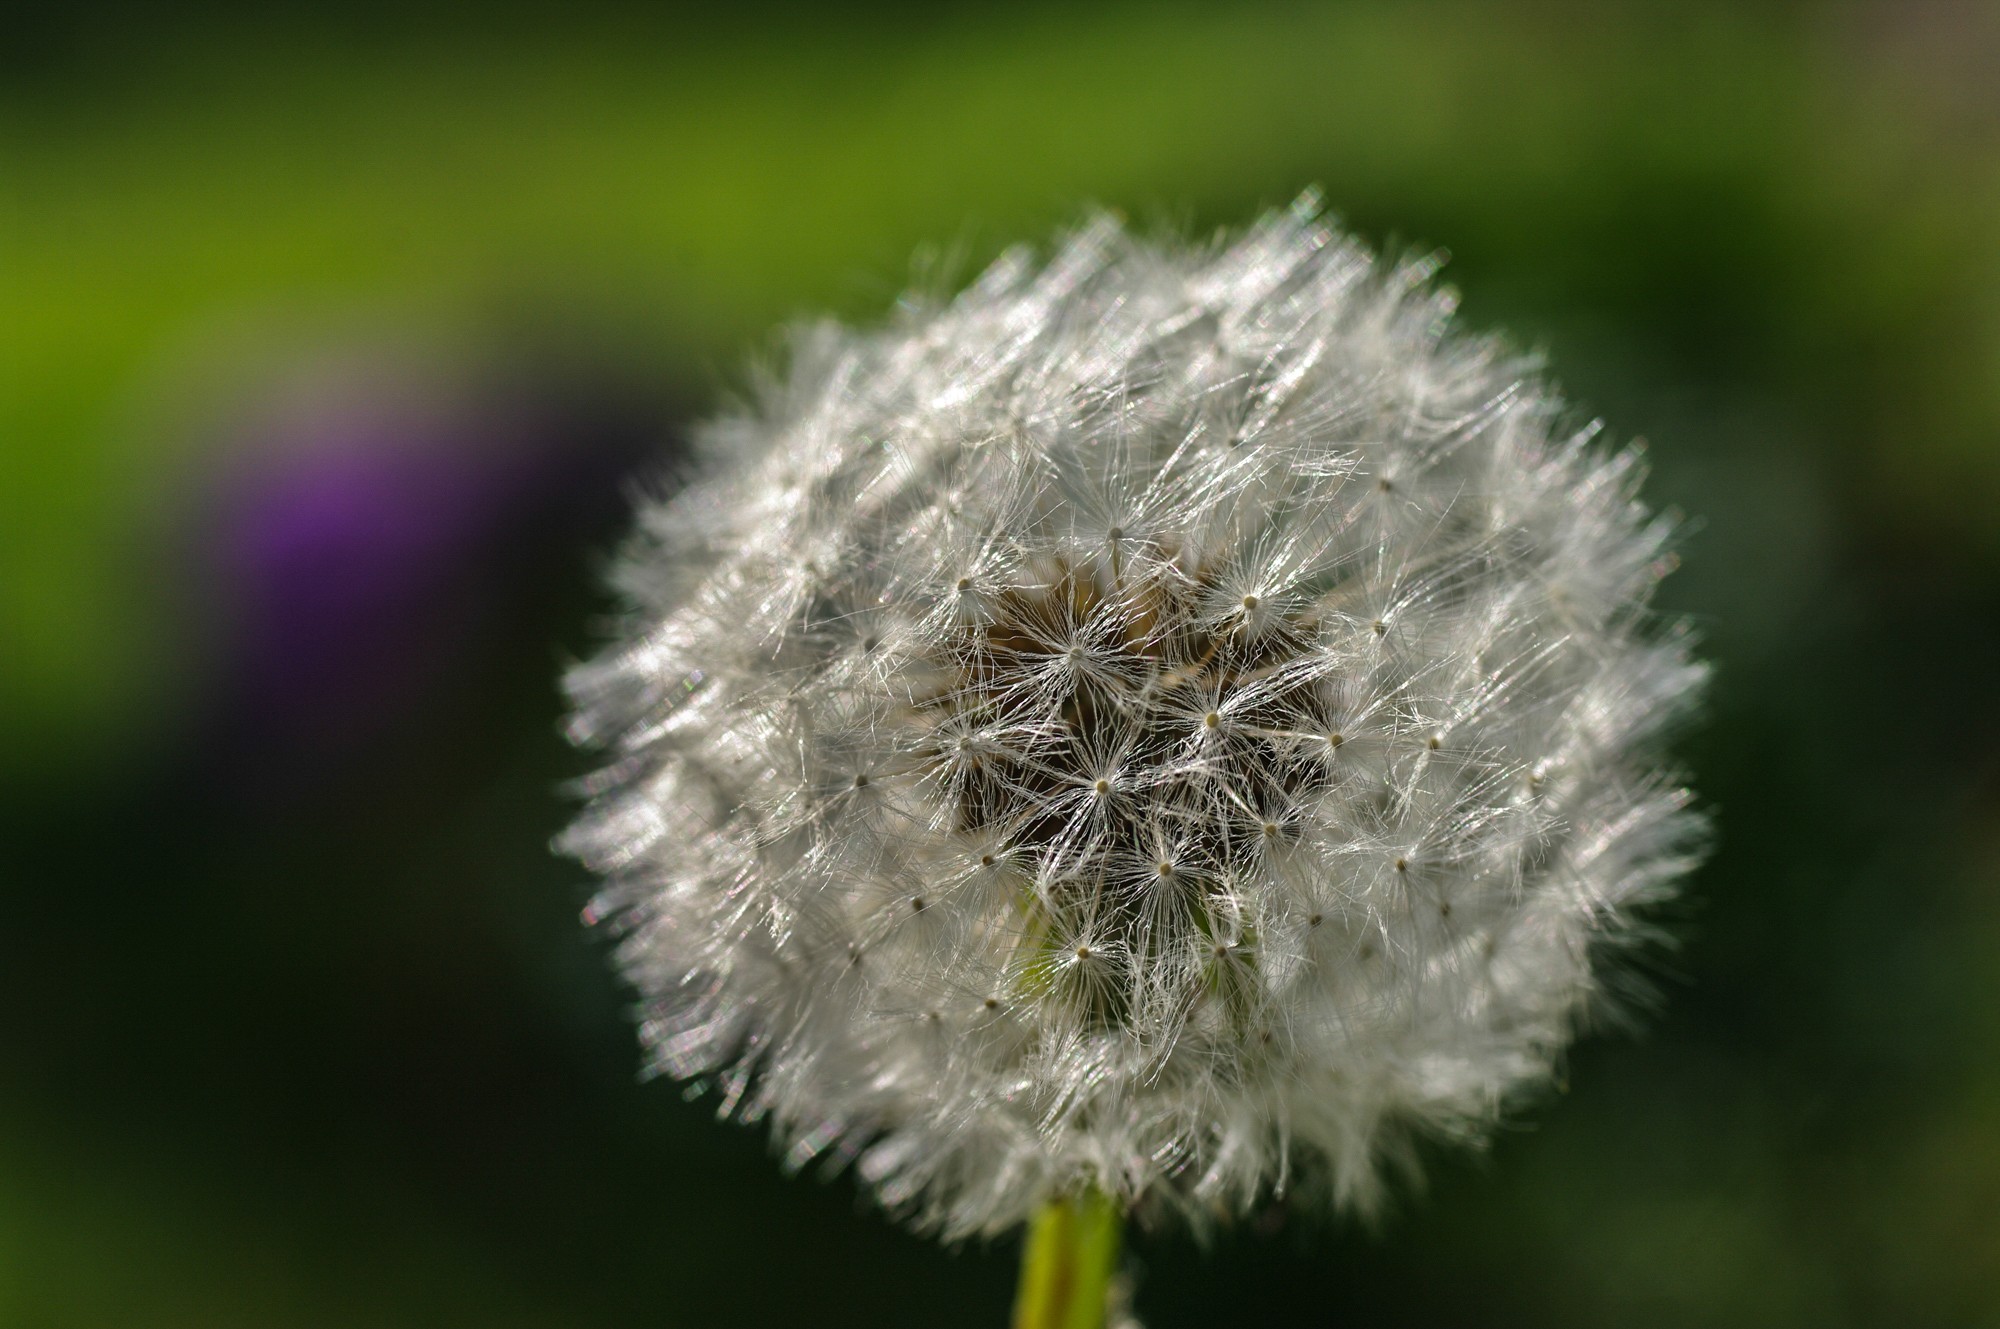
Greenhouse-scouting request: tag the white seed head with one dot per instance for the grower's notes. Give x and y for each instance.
(1174, 720)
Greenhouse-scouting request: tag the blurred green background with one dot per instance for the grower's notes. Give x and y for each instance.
(333, 344)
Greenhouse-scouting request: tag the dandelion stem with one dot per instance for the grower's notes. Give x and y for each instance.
(1066, 1263)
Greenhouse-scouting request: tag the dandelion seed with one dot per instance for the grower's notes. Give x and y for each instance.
(1091, 572)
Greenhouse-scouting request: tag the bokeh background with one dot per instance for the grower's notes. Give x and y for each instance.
(334, 342)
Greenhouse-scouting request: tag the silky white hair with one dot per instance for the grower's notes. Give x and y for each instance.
(1173, 720)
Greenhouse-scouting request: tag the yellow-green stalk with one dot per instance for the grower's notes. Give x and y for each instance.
(1067, 1263)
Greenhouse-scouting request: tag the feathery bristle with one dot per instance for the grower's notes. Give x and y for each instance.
(1173, 720)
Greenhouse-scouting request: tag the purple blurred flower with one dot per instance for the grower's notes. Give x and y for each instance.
(362, 536)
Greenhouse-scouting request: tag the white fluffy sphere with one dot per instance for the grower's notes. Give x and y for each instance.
(1170, 720)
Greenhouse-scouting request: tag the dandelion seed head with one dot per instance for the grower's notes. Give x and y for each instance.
(1176, 720)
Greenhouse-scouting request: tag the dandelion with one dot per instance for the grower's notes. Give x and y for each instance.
(1161, 730)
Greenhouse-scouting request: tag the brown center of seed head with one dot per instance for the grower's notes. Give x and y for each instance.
(1155, 665)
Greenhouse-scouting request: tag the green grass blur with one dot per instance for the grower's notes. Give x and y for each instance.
(297, 1022)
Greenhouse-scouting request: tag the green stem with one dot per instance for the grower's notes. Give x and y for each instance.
(1066, 1264)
